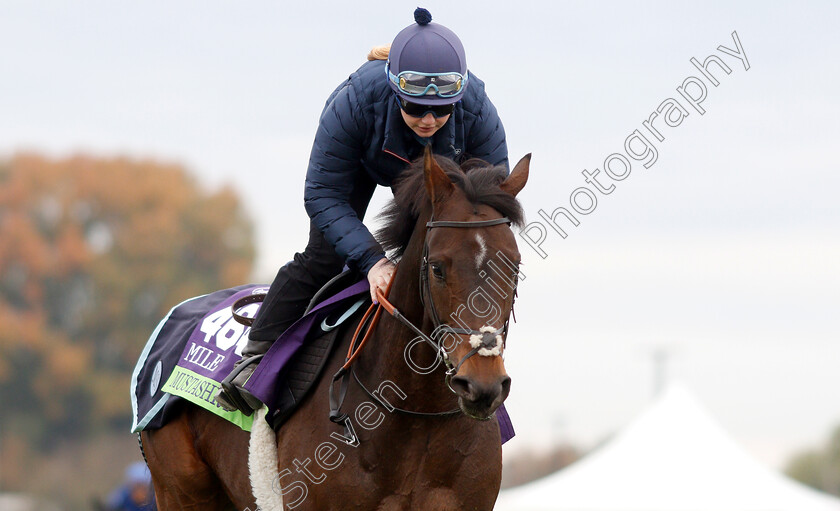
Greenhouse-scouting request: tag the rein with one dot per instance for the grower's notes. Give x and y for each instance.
(487, 338)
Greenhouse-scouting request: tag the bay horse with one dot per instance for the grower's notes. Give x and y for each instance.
(459, 262)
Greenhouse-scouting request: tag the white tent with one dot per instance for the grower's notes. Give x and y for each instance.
(673, 457)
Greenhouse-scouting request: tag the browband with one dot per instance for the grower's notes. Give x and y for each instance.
(479, 223)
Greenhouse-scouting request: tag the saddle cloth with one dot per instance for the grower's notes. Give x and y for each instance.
(196, 345)
(192, 349)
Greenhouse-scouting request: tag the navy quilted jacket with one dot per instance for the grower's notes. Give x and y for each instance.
(363, 141)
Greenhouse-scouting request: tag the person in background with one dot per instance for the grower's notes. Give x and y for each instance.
(135, 494)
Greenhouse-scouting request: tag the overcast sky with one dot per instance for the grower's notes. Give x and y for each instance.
(724, 252)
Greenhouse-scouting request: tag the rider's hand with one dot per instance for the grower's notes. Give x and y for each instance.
(379, 276)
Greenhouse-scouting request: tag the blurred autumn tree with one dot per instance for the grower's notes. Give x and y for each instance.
(819, 468)
(93, 253)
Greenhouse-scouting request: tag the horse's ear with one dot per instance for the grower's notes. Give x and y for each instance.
(438, 185)
(515, 182)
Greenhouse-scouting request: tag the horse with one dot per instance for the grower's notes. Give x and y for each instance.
(426, 437)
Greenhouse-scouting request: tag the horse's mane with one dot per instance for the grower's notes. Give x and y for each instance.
(478, 179)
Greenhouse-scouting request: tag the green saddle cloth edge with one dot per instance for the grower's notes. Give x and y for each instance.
(199, 390)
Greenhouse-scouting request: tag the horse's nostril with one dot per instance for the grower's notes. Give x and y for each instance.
(461, 386)
(505, 385)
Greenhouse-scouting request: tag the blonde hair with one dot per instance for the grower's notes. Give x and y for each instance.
(379, 52)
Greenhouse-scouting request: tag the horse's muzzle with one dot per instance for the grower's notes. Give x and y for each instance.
(479, 399)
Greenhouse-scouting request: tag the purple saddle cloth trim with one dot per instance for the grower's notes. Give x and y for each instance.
(505, 425)
(269, 373)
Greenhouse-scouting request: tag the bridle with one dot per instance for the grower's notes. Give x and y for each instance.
(488, 338)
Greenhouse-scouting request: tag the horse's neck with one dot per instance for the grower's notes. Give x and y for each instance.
(405, 291)
(392, 337)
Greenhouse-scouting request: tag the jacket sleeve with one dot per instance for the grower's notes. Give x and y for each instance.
(487, 137)
(333, 167)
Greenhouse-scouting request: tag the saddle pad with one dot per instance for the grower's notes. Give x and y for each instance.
(268, 376)
(303, 372)
(193, 348)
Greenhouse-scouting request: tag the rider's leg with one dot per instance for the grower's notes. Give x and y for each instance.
(293, 287)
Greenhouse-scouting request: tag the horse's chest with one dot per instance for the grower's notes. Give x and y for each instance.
(411, 480)
(442, 499)
(380, 499)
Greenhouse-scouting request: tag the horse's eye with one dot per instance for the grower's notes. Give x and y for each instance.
(437, 270)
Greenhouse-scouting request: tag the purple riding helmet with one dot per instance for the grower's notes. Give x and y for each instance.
(426, 64)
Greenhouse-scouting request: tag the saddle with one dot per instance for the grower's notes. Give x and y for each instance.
(336, 284)
(305, 368)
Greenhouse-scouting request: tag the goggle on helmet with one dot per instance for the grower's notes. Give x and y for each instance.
(418, 83)
(426, 64)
